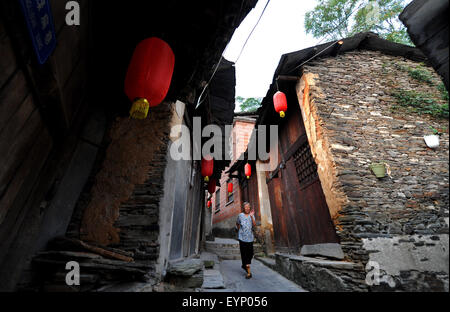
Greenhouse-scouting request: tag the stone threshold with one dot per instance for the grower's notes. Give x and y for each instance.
(321, 275)
(335, 264)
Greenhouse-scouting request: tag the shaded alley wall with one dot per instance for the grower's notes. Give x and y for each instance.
(43, 134)
(143, 201)
(353, 118)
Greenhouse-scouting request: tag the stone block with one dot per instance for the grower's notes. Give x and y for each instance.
(212, 279)
(329, 250)
(185, 268)
(182, 281)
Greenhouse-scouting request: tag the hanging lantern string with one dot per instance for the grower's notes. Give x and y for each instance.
(200, 101)
(254, 27)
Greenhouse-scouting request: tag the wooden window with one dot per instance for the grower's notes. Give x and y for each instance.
(305, 165)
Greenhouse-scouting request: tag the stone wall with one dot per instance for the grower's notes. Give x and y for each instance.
(353, 119)
(131, 177)
(321, 275)
(225, 228)
(120, 206)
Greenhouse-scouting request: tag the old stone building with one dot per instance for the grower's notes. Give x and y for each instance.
(337, 226)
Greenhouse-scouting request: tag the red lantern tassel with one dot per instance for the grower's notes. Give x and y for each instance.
(139, 109)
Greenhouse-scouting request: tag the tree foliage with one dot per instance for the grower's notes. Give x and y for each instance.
(248, 104)
(344, 18)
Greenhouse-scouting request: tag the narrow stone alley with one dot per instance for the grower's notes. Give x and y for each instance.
(226, 275)
(132, 158)
(264, 279)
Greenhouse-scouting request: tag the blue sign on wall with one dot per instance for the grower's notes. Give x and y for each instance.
(40, 25)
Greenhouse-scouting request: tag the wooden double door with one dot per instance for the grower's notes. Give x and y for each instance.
(299, 210)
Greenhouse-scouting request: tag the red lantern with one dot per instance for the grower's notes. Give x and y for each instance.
(207, 167)
(280, 103)
(149, 75)
(212, 186)
(230, 188)
(248, 170)
(209, 204)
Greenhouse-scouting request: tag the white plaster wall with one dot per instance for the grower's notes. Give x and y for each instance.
(394, 255)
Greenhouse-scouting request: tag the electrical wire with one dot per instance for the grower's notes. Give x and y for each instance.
(253, 29)
(207, 84)
(314, 56)
(199, 101)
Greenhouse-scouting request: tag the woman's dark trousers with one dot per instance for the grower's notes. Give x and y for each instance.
(246, 252)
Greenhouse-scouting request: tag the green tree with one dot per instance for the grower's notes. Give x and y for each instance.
(344, 18)
(248, 104)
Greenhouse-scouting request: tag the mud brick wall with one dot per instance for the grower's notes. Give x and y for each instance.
(122, 208)
(352, 120)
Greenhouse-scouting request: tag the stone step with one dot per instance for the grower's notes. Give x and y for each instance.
(256, 247)
(217, 245)
(230, 257)
(212, 279)
(232, 252)
(226, 251)
(267, 261)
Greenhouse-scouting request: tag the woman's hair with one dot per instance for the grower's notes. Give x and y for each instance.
(244, 204)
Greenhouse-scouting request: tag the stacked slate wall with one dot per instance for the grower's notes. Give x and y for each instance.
(396, 226)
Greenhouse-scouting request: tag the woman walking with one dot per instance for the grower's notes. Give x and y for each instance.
(245, 223)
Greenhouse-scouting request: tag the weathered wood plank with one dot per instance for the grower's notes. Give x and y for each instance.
(66, 54)
(79, 244)
(7, 58)
(11, 159)
(16, 123)
(60, 210)
(74, 91)
(26, 174)
(12, 96)
(122, 267)
(62, 254)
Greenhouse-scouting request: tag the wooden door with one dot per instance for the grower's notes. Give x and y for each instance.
(300, 212)
(281, 241)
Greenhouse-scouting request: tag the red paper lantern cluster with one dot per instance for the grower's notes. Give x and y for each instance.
(207, 167)
(248, 170)
(230, 188)
(149, 75)
(280, 103)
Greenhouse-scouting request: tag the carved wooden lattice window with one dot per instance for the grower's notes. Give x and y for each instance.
(305, 165)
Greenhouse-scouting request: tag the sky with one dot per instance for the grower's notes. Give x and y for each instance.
(280, 30)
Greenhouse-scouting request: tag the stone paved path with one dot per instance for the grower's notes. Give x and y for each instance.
(264, 279)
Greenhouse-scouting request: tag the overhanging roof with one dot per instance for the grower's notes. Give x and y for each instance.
(289, 66)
